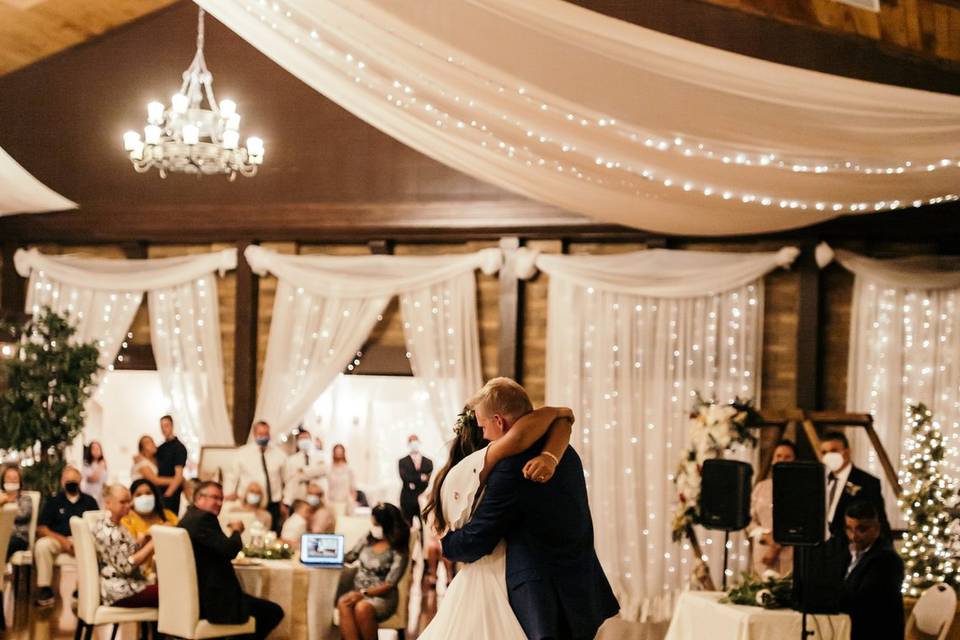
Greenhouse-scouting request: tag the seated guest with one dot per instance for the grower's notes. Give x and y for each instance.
(147, 511)
(222, 601)
(11, 494)
(53, 529)
(874, 575)
(382, 558)
(322, 520)
(847, 484)
(122, 583)
(767, 554)
(297, 524)
(252, 501)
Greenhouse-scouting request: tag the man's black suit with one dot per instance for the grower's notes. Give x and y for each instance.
(413, 484)
(222, 601)
(556, 586)
(872, 596)
(860, 486)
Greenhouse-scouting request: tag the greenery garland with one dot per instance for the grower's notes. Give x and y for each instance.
(770, 592)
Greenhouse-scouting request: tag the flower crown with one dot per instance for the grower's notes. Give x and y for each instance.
(465, 419)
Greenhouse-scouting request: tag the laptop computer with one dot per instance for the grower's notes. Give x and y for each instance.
(321, 550)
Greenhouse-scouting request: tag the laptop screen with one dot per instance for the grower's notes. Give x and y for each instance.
(321, 549)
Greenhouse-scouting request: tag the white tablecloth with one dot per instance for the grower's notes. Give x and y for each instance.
(700, 615)
(305, 593)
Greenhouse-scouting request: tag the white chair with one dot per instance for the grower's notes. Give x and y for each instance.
(7, 516)
(179, 596)
(934, 612)
(90, 613)
(22, 561)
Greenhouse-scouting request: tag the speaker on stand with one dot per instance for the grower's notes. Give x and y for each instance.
(725, 500)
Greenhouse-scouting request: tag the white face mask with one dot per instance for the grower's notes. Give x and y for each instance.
(833, 461)
(415, 446)
(253, 498)
(376, 531)
(313, 500)
(144, 504)
(11, 487)
(304, 444)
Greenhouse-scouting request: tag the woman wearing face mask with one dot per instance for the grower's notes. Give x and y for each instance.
(304, 467)
(767, 554)
(342, 488)
(322, 520)
(94, 471)
(12, 494)
(382, 560)
(252, 501)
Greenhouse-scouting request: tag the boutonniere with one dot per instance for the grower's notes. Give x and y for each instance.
(852, 489)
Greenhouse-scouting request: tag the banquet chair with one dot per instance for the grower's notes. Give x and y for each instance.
(179, 596)
(7, 516)
(933, 614)
(22, 561)
(90, 613)
(399, 620)
(90, 519)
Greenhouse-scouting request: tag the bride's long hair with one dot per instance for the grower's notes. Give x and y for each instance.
(468, 438)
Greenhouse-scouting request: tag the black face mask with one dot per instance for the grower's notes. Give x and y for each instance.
(73, 488)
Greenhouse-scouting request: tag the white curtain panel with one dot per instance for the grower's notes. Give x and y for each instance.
(102, 297)
(440, 326)
(629, 359)
(621, 123)
(326, 307)
(20, 192)
(185, 333)
(904, 349)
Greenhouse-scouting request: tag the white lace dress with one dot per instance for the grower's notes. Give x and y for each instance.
(475, 605)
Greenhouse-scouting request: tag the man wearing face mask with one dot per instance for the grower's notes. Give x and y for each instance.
(304, 467)
(415, 471)
(53, 529)
(261, 463)
(846, 485)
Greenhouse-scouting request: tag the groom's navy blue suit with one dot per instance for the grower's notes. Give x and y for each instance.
(556, 586)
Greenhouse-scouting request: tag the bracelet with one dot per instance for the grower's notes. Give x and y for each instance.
(556, 461)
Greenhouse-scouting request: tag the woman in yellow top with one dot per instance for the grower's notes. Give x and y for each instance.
(147, 511)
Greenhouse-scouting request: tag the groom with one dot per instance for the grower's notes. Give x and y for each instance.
(556, 586)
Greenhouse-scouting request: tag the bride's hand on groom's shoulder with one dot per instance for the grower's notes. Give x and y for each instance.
(565, 413)
(539, 469)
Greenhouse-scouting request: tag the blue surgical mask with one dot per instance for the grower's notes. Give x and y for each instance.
(263, 441)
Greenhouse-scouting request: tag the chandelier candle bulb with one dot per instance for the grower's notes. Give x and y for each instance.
(180, 102)
(227, 108)
(233, 121)
(130, 140)
(230, 139)
(191, 134)
(137, 151)
(255, 146)
(155, 112)
(151, 134)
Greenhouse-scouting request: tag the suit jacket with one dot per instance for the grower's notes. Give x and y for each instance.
(554, 578)
(869, 489)
(413, 483)
(221, 598)
(872, 597)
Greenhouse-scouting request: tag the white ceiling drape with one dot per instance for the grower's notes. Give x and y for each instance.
(621, 123)
(20, 192)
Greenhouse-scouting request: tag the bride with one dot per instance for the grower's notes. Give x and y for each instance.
(476, 603)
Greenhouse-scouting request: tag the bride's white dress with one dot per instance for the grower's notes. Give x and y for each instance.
(475, 605)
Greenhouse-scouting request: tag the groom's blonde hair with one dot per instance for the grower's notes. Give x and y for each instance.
(503, 396)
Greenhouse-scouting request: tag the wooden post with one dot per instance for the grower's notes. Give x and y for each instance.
(511, 314)
(246, 312)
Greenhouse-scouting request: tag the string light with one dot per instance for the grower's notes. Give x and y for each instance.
(521, 141)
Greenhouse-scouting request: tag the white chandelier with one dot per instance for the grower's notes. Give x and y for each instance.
(188, 138)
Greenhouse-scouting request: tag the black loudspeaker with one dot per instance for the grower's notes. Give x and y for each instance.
(799, 503)
(725, 494)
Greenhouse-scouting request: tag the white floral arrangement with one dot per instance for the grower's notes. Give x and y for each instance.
(714, 429)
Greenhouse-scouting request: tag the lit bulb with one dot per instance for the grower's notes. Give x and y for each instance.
(151, 134)
(137, 152)
(230, 139)
(227, 108)
(233, 122)
(130, 140)
(191, 134)
(255, 146)
(180, 102)
(155, 112)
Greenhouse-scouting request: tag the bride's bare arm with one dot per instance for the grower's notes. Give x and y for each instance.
(527, 431)
(541, 468)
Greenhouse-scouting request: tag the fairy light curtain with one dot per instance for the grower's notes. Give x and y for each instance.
(20, 192)
(904, 349)
(101, 297)
(631, 338)
(326, 307)
(618, 122)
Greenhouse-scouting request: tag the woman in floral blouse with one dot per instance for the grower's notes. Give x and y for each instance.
(122, 584)
(382, 557)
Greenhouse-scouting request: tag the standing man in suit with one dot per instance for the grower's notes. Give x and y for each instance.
(557, 588)
(874, 574)
(222, 601)
(262, 463)
(846, 484)
(415, 472)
